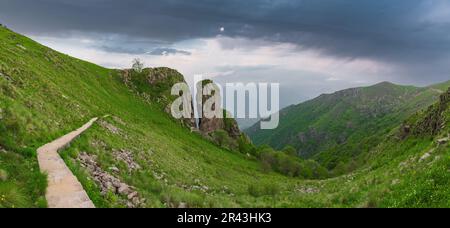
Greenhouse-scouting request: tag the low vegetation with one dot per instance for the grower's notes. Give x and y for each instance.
(45, 94)
(334, 129)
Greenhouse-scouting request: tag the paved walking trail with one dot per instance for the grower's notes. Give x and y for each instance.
(64, 190)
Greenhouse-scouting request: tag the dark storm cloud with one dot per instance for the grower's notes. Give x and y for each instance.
(402, 32)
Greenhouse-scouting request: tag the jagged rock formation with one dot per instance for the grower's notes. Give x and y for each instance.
(436, 118)
(155, 85)
(211, 125)
(222, 130)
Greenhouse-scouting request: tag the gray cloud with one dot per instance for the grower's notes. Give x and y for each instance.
(141, 51)
(411, 34)
(168, 51)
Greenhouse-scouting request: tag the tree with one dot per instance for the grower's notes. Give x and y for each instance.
(138, 65)
(290, 150)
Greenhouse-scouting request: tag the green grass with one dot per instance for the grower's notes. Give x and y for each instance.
(336, 128)
(21, 183)
(45, 94)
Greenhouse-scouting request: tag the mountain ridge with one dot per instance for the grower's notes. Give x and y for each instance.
(326, 124)
(45, 94)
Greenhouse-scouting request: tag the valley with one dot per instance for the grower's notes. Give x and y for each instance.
(45, 94)
(335, 129)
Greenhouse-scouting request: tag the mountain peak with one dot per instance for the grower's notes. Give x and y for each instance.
(385, 84)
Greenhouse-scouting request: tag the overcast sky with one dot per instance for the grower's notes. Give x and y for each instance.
(309, 46)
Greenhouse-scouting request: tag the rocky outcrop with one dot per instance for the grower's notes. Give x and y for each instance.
(432, 122)
(164, 76)
(229, 125)
(154, 85)
(210, 125)
(435, 119)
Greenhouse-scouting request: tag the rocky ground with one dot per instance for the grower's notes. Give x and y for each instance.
(109, 183)
(126, 156)
(113, 129)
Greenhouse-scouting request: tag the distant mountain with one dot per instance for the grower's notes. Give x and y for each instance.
(337, 127)
(135, 144)
(246, 123)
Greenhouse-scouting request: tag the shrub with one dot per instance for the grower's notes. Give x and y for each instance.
(254, 190)
(288, 166)
(222, 139)
(263, 189)
(306, 172)
(268, 157)
(317, 171)
(265, 167)
(291, 151)
(293, 166)
(138, 65)
(11, 196)
(271, 189)
(245, 145)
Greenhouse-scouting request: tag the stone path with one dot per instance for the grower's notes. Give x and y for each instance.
(64, 190)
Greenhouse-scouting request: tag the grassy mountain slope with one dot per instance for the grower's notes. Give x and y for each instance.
(334, 128)
(45, 94)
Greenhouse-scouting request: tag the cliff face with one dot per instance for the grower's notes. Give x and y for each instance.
(210, 125)
(437, 117)
(432, 122)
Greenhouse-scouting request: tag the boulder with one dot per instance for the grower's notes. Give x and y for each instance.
(116, 183)
(442, 141)
(132, 195)
(425, 157)
(123, 189)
